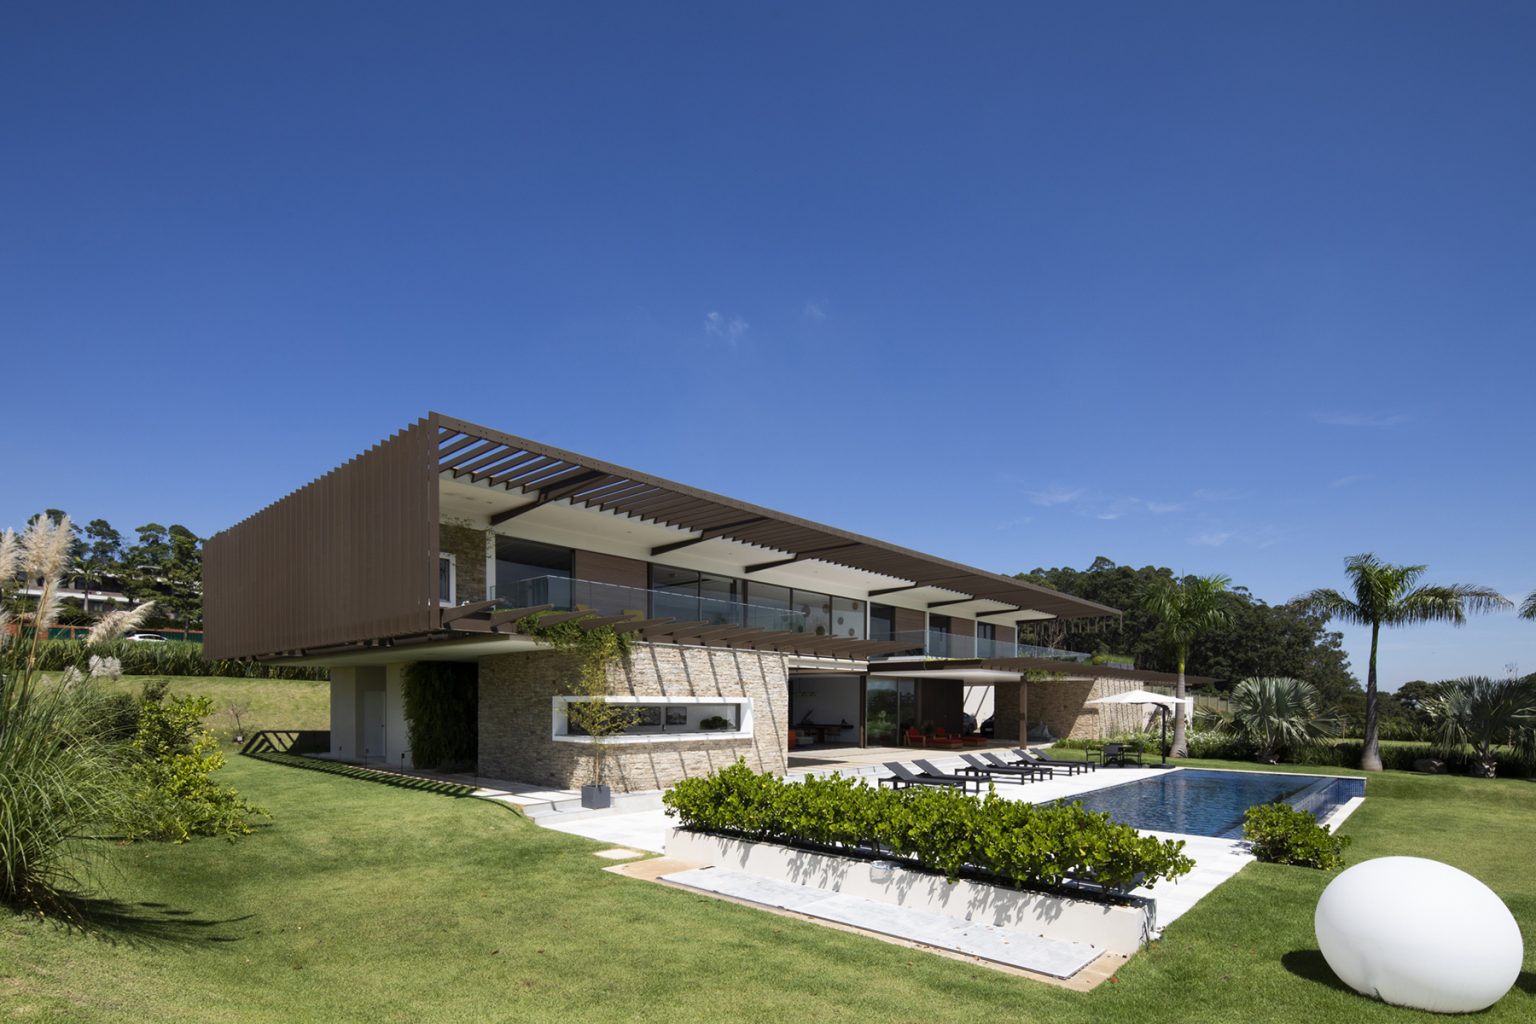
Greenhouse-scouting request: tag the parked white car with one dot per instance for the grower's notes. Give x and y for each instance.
(152, 638)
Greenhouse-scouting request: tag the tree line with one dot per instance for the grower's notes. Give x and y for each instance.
(160, 563)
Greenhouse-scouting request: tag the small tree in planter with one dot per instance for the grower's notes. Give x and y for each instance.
(593, 714)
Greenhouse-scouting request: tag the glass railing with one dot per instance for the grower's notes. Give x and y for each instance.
(567, 594)
(935, 643)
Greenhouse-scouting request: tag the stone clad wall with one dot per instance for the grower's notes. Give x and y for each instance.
(516, 718)
(467, 546)
(1062, 705)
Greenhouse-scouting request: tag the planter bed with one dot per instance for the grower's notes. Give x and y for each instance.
(1121, 924)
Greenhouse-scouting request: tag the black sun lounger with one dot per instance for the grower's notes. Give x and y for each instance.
(1072, 767)
(1000, 769)
(902, 776)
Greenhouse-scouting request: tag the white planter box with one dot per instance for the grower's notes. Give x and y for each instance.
(1118, 929)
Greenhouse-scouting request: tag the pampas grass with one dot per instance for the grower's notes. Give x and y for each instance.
(62, 777)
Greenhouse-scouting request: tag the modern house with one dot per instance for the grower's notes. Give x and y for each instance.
(753, 631)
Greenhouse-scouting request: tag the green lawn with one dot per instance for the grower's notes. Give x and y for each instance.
(365, 902)
(268, 703)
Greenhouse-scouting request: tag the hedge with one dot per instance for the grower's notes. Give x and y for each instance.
(1050, 846)
(167, 658)
(441, 700)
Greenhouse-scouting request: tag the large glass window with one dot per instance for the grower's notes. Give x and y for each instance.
(986, 640)
(529, 573)
(938, 636)
(768, 607)
(693, 596)
(847, 618)
(815, 611)
(890, 707)
(882, 622)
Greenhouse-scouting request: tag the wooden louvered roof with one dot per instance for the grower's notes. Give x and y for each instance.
(491, 458)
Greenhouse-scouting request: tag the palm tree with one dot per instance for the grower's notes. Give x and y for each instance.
(1482, 713)
(1185, 609)
(1276, 714)
(1528, 606)
(1386, 595)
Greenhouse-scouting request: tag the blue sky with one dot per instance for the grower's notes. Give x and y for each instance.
(1225, 287)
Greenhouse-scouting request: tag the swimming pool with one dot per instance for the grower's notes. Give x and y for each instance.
(1211, 803)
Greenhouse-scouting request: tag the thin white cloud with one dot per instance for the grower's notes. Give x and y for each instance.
(815, 312)
(1219, 494)
(1346, 481)
(730, 329)
(1109, 515)
(1212, 538)
(1359, 419)
(1056, 495)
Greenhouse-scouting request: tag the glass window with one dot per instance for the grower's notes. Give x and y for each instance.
(847, 618)
(445, 580)
(675, 592)
(530, 573)
(882, 622)
(815, 611)
(718, 600)
(768, 607)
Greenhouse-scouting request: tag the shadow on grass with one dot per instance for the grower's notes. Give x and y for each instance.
(353, 771)
(141, 924)
(1309, 964)
(1526, 982)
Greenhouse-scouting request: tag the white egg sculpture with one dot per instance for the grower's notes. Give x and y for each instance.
(1419, 933)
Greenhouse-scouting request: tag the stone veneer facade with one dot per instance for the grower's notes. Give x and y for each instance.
(516, 716)
(467, 546)
(1061, 705)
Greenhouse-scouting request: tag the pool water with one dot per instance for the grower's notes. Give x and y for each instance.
(1211, 803)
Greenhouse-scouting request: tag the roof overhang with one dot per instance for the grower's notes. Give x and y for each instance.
(505, 478)
(1018, 668)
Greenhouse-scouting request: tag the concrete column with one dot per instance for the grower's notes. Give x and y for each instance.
(344, 714)
(397, 740)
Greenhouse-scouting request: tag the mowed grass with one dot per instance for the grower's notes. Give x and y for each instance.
(266, 703)
(362, 901)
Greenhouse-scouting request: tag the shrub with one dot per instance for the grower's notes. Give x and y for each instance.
(441, 700)
(174, 795)
(1281, 834)
(1277, 715)
(942, 830)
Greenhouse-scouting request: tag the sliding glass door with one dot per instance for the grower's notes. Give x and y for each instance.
(890, 706)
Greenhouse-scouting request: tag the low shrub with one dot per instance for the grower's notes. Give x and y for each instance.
(174, 796)
(1035, 847)
(1281, 834)
(1220, 746)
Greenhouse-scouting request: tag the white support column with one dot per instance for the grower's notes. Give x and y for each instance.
(397, 743)
(344, 714)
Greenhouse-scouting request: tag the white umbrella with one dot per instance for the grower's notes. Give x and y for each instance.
(1161, 700)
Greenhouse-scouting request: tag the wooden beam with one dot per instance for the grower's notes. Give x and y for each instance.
(799, 557)
(896, 590)
(513, 513)
(710, 534)
(464, 611)
(632, 625)
(958, 600)
(513, 614)
(559, 617)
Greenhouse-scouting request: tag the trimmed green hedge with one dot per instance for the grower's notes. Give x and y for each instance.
(169, 658)
(1031, 847)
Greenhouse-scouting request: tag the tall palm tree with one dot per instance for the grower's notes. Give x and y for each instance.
(1387, 595)
(1528, 606)
(1185, 609)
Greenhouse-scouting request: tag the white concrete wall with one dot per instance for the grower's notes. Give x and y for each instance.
(397, 737)
(344, 714)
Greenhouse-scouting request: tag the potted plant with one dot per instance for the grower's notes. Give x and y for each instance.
(592, 712)
(713, 722)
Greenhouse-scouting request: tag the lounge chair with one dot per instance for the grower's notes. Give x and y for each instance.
(1119, 753)
(1026, 765)
(902, 777)
(1072, 767)
(999, 770)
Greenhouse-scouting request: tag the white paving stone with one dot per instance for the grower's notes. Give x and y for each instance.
(1054, 957)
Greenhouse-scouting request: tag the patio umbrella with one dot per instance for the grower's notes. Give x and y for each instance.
(1163, 701)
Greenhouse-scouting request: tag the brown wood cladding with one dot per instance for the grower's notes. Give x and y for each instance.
(962, 627)
(910, 620)
(1006, 634)
(599, 568)
(349, 557)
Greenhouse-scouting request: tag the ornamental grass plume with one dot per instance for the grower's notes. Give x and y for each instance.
(63, 778)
